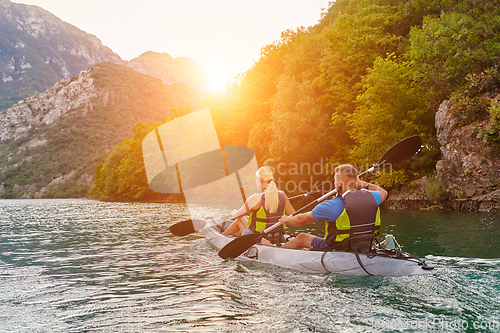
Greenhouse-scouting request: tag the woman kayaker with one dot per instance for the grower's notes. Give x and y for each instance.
(264, 209)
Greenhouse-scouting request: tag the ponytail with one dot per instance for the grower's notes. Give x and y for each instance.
(265, 174)
(272, 197)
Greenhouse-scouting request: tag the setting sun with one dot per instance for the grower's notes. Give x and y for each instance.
(225, 37)
(219, 78)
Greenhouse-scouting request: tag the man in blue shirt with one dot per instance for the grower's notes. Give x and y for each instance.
(352, 210)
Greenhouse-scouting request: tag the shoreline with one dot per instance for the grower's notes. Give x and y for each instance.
(489, 202)
(397, 200)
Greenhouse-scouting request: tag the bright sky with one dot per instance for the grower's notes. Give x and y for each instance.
(224, 36)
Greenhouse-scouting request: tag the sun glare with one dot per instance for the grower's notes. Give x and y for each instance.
(221, 72)
(218, 84)
(218, 80)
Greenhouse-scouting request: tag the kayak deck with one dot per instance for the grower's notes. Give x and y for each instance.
(322, 261)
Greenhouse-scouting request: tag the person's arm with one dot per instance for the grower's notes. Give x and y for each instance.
(373, 187)
(251, 203)
(298, 220)
(289, 210)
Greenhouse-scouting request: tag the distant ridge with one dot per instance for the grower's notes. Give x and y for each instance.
(169, 70)
(37, 49)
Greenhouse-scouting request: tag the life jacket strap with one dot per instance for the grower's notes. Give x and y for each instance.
(359, 229)
(364, 230)
(272, 220)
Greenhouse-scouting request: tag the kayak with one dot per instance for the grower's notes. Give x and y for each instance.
(380, 261)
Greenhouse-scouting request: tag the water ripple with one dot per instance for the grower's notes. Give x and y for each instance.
(80, 265)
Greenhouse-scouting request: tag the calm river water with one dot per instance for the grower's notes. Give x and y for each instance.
(81, 265)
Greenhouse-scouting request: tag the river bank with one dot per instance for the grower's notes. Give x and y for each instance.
(413, 197)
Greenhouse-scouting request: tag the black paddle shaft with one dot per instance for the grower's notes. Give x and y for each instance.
(239, 245)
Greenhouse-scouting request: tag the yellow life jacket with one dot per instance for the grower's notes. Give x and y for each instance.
(261, 219)
(361, 216)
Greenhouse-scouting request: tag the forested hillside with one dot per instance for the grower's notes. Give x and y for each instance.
(369, 74)
(51, 143)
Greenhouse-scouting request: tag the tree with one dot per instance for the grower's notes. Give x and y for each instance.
(447, 48)
(123, 175)
(296, 129)
(392, 107)
(355, 40)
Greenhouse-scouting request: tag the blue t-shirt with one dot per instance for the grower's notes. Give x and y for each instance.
(330, 210)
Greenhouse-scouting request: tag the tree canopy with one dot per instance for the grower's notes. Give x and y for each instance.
(369, 74)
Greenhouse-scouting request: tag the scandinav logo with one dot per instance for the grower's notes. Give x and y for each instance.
(184, 156)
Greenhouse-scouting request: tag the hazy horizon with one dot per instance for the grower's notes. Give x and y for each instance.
(224, 36)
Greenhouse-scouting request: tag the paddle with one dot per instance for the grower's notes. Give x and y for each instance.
(188, 227)
(240, 244)
(304, 195)
(400, 151)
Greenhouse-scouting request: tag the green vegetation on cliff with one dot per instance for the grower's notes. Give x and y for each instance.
(81, 139)
(123, 176)
(371, 73)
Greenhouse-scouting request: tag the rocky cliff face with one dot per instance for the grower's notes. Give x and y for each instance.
(63, 99)
(472, 167)
(469, 170)
(45, 108)
(37, 49)
(50, 143)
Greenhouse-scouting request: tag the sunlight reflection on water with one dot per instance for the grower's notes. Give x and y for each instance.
(80, 265)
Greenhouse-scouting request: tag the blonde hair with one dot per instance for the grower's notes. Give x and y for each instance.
(265, 174)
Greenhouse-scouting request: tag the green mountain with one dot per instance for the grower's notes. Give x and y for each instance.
(51, 143)
(37, 49)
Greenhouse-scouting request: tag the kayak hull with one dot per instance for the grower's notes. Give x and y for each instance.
(319, 261)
